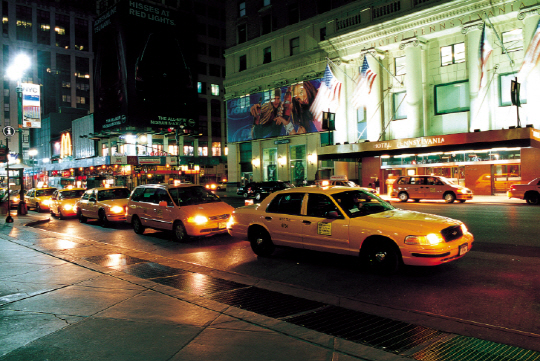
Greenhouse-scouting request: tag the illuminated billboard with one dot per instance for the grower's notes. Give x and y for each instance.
(31, 103)
(142, 78)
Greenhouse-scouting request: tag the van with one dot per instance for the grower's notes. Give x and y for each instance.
(187, 210)
(429, 187)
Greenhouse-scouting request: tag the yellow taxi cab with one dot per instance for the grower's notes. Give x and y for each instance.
(185, 209)
(350, 221)
(106, 204)
(39, 198)
(63, 202)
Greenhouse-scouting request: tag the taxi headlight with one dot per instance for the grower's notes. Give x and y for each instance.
(431, 239)
(117, 209)
(68, 207)
(46, 202)
(464, 228)
(198, 220)
(16, 199)
(230, 222)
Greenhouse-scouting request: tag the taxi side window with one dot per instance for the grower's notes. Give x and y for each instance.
(162, 195)
(86, 195)
(288, 203)
(404, 180)
(319, 205)
(148, 196)
(55, 196)
(137, 194)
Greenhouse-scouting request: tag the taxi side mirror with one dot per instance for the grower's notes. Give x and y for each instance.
(163, 204)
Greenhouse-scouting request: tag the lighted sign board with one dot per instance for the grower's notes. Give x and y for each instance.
(142, 74)
(31, 103)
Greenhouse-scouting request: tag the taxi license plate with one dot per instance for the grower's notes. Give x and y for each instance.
(463, 249)
(222, 225)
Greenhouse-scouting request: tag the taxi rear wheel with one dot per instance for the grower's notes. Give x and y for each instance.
(403, 197)
(261, 243)
(532, 198)
(381, 256)
(179, 232)
(137, 225)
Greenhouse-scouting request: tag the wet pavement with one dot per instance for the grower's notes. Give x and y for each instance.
(64, 298)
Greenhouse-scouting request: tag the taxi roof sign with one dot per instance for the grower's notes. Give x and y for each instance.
(339, 177)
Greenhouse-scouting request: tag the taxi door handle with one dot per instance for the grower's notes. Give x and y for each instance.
(306, 222)
(268, 218)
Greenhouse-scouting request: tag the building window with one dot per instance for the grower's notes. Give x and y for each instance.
(266, 24)
(322, 34)
(298, 164)
(267, 55)
(203, 149)
(81, 35)
(62, 31)
(242, 33)
(242, 9)
(361, 123)
(294, 45)
(293, 14)
(201, 87)
(188, 148)
(24, 23)
(215, 89)
(453, 54)
(513, 40)
(216, 149)
(400, 106)
(399, 65)
(173, 149)
(5, 19)
(44, 27)
(266, 2)
(452, 97)
(269, 164)
(242, 63)
(81, 100)
(504, 90)
(66, 98)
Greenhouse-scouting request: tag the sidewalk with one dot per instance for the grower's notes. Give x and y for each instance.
(57, 305)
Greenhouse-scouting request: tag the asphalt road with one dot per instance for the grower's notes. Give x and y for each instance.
(491, 293)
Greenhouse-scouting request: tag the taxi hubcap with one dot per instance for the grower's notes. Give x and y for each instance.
(380, 256)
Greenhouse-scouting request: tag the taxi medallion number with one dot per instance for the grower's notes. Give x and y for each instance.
(463, 249)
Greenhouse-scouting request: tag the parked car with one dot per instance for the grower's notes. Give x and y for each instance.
(106, 204)
(63, 202)
(350, 221)
(39, 198)
(429, 187)
(187, 210)
(263, 189)
(246, 190)
(15, 197)
(529, 192)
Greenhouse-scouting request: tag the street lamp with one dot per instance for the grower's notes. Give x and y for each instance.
(15, 72)
(32, 153)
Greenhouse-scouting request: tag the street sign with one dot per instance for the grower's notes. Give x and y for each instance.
(8, 131)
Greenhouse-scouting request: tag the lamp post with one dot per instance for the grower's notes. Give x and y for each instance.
(15, 72)
(32, 153)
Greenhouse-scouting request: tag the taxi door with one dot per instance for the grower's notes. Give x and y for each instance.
(324, 226)
(434, 188)
(30, 199)
(417, 188)
(283, 219)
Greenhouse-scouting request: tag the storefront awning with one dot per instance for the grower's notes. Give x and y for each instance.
(516, 137)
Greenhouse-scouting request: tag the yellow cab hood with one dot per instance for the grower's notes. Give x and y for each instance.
(411, 220)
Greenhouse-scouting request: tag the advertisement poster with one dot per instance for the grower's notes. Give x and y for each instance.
(31, 104)
(142, 76)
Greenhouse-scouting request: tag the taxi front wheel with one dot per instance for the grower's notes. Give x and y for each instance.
(179, 232)
(261, 243)
(380, 256)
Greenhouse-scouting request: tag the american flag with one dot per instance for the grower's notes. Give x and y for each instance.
(485, 52)
(328, 97)
(364, 85)
(532, 56)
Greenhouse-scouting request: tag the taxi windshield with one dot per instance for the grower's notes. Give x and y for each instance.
(45, 192)
(72, 194)
(186, 196)
(116, 193)
(358, 203)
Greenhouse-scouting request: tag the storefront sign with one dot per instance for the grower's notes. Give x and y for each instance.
(119, 159)
(150, 160)
(282, 141)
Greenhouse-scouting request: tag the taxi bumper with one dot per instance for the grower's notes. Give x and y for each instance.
(453, 251)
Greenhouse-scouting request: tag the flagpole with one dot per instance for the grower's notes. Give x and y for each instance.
(381, 64)
(330, 61)
(499, 39)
